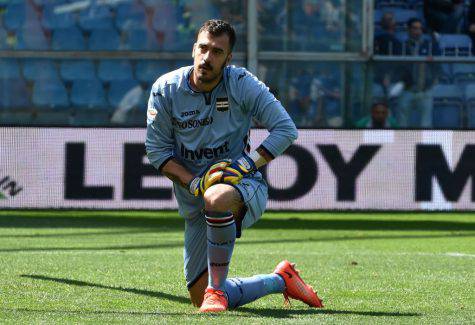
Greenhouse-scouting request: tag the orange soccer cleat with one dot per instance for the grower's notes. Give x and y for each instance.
(215, 301)
(295, 287)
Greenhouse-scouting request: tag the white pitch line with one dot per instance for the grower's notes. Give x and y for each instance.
(460, 255)
(375, 253)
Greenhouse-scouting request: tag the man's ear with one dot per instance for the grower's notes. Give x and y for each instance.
(228, 59)
(193, 51)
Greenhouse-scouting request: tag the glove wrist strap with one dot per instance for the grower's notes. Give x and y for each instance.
(193, 185)
(248, 163)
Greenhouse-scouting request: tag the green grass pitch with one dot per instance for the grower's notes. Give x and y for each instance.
(126, 267)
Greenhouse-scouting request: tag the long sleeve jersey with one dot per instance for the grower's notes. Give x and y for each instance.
(198, 128)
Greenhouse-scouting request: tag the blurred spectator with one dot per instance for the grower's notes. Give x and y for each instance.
(198, 11)
(417, 43)
(332, 15)
(307, 26)
(232, 11)
(379, 118)
(418, 78)
(299, 105)
(444, 16)
(471, 23)
(386, 42)
(325, 97)
(272, 20)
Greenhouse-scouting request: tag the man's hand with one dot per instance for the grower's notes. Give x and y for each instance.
(239, 168)
(211, 176)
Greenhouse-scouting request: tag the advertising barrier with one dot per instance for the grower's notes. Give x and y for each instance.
(325, 169)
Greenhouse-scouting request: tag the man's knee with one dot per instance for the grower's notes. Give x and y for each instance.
(220, 198)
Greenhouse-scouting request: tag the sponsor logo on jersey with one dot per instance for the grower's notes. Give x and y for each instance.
(189, 113)
(222, 104)
(192, 124)
(207, 153)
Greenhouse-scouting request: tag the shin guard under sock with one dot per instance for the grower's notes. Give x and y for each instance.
(221, 233)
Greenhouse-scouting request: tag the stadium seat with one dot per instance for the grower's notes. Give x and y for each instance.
(470, 92)
(32, 39)
(43, 3)
(148, 71)
(332, 108)
(137, 116)
(378, 92)
(71, 70)
(50, 93)
(415, 4)
(130, 16)
(14, 93)
(470, 104)
(52, 19)
(139, 40)
(96, 17)
(91, 107)
(447, 115)
(119, 89)
(165, 17)
(88, 94)
(109, 70)
(3, 39)
(19, 15)
(455, 44)
(447, 107)
(9, 69)
(464, 73)
(35, 69)
(15, 15)
(104, 40)
(446, 76)
(388, 4)
(51, 101)
(68, 39)
(447, 93)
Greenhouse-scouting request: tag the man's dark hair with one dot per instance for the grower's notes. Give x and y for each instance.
(412, 21)
(379, 103)
(217, 27)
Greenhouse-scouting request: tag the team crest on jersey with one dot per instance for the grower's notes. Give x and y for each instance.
(222, 104)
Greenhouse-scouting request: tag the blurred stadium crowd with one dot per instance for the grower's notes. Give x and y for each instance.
(79, 79)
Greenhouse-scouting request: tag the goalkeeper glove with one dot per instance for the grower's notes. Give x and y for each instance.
(238, 169)
(211, 176)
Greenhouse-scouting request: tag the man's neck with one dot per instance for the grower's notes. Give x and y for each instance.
(201, 86)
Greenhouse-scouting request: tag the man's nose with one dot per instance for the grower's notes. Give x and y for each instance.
(206, 57)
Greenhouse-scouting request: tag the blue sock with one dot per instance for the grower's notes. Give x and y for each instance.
(242, 291)
(221, 233)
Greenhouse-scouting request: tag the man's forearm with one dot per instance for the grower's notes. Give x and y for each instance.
(264, 158)
(177, 172)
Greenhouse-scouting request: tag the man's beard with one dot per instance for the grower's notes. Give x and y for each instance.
(212, 77)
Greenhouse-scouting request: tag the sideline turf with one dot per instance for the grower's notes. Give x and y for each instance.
(126, 267)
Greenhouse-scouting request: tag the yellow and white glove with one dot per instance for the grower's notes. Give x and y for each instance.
(211, 176)
(238, 169)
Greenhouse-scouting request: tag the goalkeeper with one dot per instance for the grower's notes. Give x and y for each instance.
(198, 124)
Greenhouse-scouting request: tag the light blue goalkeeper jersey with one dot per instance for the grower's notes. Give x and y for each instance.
(199, 128)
